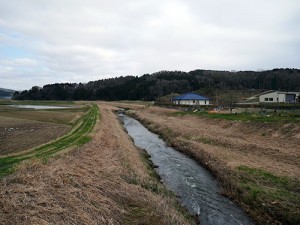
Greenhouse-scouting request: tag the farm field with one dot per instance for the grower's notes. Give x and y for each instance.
(105, 180)
(256, 162)
(21, 134)
(28, 139)
(23, 129)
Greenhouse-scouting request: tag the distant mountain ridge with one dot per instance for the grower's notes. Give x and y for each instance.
(151, 87)
(4, 93)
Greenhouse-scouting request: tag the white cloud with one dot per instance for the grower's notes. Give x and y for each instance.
(77, 41)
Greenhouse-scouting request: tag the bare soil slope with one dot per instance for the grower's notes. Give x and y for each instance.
(103, 182)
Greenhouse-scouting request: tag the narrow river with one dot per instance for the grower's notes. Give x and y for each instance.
(196, 187)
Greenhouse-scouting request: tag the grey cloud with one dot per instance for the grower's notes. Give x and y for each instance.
(73, 40)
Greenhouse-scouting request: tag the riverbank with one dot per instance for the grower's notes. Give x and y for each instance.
(257, 164)
(105, 181)
(196, 188)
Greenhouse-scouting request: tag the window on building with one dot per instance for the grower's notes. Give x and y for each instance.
(266, 99)
(271, 99)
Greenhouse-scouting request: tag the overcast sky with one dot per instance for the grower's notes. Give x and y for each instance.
(43, 41)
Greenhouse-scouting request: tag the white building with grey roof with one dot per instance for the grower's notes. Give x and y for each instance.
(280, 96)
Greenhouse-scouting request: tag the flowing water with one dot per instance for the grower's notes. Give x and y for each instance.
(195, 186)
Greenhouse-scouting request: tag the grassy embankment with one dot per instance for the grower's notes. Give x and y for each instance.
(78, 135)
(265, 192)
(261, 189)
(293, 116)
(258, 188)
(268, 197)
(106, 181)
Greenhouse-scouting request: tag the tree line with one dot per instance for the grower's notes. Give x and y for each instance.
(151, 87)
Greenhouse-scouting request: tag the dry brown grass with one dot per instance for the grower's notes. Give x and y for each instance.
(103, 182)
(260, 171)
(235, 143)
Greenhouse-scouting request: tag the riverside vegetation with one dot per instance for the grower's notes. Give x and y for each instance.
(255, 159)
(93, 174)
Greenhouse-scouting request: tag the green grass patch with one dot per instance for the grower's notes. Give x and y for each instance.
(202, 139)
(77, 136)
(83, 140)
(275, 195)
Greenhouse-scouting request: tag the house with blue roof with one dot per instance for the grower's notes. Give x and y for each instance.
(190, 99)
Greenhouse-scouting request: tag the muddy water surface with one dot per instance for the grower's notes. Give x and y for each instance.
(196, 187)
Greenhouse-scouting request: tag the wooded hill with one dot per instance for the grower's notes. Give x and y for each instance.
(151, 87)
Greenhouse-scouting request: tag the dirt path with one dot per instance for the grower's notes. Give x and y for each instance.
(103, 182)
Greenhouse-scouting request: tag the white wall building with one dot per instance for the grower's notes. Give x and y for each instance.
(280, 96)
